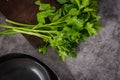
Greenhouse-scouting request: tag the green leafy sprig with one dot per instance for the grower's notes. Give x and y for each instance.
(73, 23)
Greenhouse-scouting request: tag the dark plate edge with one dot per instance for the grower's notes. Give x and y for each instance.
(11, 56)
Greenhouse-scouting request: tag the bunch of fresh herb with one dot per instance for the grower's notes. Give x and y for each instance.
(71, 24)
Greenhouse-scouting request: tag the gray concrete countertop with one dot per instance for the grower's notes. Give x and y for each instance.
(98, 57)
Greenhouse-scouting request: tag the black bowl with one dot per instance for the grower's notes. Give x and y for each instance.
(24, 67)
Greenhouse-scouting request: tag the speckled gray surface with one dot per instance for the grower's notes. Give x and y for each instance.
(98, 57)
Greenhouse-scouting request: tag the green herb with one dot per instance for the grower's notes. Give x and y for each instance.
(73, 23)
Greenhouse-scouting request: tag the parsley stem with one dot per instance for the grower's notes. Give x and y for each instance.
(7, 32)
(32, 33)
(78, 3)
(42, 31)
(54, 23)
(28, 31)
(47, 25)
(20, 24)
(5, 26)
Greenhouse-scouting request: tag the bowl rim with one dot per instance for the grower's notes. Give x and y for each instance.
(12, 56)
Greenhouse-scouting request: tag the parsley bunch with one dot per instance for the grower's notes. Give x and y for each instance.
(71, 24)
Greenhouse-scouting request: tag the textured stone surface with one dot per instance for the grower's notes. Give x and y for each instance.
(98, 57)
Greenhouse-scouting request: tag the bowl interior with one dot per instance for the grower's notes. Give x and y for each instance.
(22, 69)
(17, 66)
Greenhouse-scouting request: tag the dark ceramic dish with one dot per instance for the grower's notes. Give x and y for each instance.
(24, 67)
